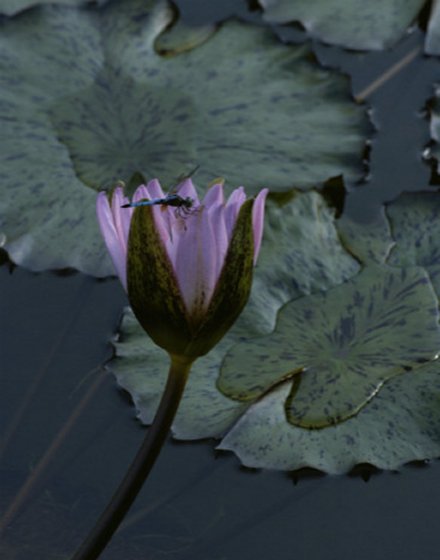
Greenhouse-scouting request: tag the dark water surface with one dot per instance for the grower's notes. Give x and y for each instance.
(197, 505)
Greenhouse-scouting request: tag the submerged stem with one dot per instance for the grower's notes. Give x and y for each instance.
(138, 471)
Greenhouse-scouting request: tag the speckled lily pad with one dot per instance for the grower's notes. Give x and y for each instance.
(183, 37)
(345, 357)
(141, 368)
(401, 424)
(376, 24)
(370, 241)
(415, 225)
(432, 42)
(339, 347)
(301, 254)
(86, 100)
(12, 7)
(286, 269)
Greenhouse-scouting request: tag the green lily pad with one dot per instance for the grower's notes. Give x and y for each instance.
(432, 42)
(141, 369)
(300, 223)
(376, 24)
(395, 419)
(12, 7)
(301, 254)
(339, 347)
(401, 424)
(86, 101)
(183, 37)
(415, 225)
(371, 241)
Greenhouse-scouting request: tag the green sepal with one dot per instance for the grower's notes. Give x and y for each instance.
(233, 287)
(152, 286)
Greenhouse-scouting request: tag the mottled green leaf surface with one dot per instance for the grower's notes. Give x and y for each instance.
(376, 24)
(12, 7)
(370, 241)
(339, 347)
(182, 37)
(416, 229)
(336, 357)
(301, 254)
(432, 42)
(141, 368)
(85, 100)
(401, 424)
(285, 270)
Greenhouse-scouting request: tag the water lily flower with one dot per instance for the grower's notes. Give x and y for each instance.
(187, 267)
(188, 273)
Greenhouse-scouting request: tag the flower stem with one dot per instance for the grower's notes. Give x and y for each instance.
(138, 471)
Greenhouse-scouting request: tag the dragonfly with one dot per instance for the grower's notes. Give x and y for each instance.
(184, 204)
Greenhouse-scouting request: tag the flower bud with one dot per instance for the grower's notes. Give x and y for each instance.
(187, 265)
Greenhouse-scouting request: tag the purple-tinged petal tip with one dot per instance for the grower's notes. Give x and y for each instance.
(258, 220)
(154, 189)
(114, 231)
(187, 189)
(214, 196)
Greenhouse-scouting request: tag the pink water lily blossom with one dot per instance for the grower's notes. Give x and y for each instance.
(196, 242)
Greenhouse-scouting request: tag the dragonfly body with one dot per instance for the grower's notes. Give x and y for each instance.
(170, 200)
(183, 205)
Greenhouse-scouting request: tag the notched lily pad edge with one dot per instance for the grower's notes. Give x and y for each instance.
(362, 470)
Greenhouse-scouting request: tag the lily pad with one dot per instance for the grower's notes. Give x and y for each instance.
(401, 424)
(301, 254)
(432, 42)
(340, 347)
(86, 101)
(416, 229)
(376, 24)
(141, 369)
(183, 37)
(300, 223)
(12, 7)
(370, 241)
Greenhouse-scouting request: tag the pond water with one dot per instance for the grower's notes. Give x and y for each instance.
(197, 504)
(70, 433)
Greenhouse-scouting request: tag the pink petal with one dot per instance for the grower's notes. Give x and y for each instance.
(195, 262)
(221, 240)
(154, 189)
(258, 221)
(162, 222)
(214, 196)
(121, 218)
(116, 245)
(232, 208)
(140, 193)
(178, 229)
(166, 215)
(150, 191)
(186, 189)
